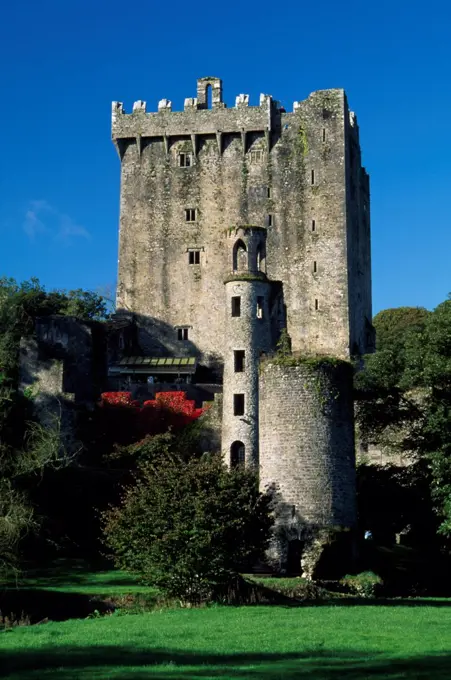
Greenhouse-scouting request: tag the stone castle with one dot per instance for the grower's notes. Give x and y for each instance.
(238, 225)
(244, 280)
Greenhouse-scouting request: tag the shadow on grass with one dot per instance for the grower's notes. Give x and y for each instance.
(375, 602)
(74, 573)
(39, 605)
(69, 663)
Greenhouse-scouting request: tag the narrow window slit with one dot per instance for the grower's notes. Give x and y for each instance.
(236, 306)
(238, 404)
(239, 356)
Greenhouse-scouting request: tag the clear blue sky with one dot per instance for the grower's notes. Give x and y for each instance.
(63, 62)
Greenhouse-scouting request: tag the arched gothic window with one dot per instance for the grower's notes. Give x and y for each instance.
(239, 256)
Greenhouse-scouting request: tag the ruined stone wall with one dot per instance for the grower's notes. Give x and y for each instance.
(307, 443)
(66, 357)
(248, 165)
(42, 379)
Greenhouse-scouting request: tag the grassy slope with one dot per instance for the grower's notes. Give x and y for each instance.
(322, 643)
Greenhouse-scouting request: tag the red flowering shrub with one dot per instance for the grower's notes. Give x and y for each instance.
(118, 399)
(130, 422)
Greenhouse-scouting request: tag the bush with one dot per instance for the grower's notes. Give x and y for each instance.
(189, 526)
(365, 584)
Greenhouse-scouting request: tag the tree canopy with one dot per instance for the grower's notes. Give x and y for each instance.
(27, 449)
(404, 393)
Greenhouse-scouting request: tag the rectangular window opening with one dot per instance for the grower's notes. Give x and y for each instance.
(324, 134)
(269, 192)
(260, 302)
(270, 220)
(185, 160)
(236, 306)
(315, 268)
(182, 333)
(194, 257)
(190, 214)
(238, 356)
(316, 304)
(313, 177)
(238, 404)
(256, 156)
(313, 225)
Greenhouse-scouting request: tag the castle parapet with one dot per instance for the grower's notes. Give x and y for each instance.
(195, 117)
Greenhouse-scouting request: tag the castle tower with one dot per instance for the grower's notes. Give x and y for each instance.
(189, 179)
(307, 448)
(188, 175)
(247, 334)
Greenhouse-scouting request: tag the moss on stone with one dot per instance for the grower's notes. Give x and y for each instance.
(246, 276)
(303, 142)
(314, 361)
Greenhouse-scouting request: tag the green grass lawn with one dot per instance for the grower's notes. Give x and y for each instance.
(78, 577)
(340, 642)
(340, 639)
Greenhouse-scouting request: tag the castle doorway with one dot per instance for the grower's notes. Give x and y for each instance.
(237, 454)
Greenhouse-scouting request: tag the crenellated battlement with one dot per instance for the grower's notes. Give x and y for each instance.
(197, 118)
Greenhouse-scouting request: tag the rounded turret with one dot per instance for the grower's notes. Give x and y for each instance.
(307, 443)
(248, 335)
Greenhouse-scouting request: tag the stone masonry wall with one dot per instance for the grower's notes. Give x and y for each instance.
(288, 172)
(307, 443)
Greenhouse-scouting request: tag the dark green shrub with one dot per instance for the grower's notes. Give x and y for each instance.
(365, 584)
(189, 526)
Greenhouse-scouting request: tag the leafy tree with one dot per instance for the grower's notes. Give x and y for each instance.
(21, 470)
(20, 304)
(404, 398)
(392, 325)
(189, 525)
(406, 506)
(27, 449)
